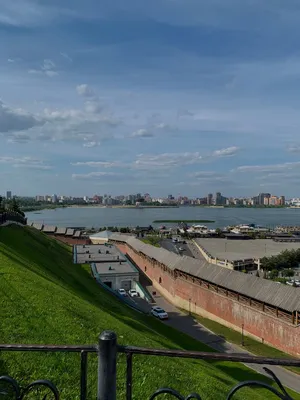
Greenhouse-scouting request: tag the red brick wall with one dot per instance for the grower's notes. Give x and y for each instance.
(70, 240)
(229, 312)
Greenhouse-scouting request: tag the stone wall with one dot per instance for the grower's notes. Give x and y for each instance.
(195, 298)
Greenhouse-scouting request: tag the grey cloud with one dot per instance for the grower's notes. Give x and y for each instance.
(13, 120)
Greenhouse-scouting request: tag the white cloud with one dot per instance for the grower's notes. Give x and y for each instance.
(10, 60)
(95, 175)
(25, 162)
(294, 149)
(91, 144)
(48, 68)
(66, 56)
(229, 151)
(95, 164)
(51, 73)
(85, 90)
(142, 133)
(13, 120)
(48, 65)
(167, 160)
(268, 168)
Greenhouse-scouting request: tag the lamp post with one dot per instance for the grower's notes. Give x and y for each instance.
(243, 343)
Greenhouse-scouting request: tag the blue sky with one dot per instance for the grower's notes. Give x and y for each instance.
(167, 96)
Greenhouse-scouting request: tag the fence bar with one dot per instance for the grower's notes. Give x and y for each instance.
(107, 366)
(83, 375)
(129, 377)
(209, 356)
(55, 348)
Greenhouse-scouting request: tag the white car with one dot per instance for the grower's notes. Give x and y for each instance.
(133, 293)
(122, 292)
(159, 313)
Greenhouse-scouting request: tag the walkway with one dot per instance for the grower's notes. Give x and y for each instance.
(188, 325)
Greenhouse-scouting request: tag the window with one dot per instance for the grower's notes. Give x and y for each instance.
(159, 280)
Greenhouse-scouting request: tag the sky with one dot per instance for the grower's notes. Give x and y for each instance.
(181, 97)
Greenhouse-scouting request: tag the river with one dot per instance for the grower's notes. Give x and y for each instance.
(99, 217)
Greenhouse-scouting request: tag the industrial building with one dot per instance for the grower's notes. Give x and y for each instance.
(111, 266)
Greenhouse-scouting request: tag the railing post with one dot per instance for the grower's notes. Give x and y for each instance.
(107, 366)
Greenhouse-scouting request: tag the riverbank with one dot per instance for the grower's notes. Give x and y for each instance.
(118, 206)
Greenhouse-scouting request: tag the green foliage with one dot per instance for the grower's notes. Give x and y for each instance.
(154, 240)
(286, 260)
(46, 299)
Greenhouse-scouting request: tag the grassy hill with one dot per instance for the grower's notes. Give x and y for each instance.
(45, 299)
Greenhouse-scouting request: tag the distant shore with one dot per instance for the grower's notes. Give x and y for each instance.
(119, 206)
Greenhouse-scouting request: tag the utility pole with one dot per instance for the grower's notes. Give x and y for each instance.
(243, 343)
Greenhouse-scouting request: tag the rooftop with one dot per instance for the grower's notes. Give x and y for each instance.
(106, 268)
(234, 250)
(91, 253)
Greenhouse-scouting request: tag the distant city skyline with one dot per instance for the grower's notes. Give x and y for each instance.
(182, 97)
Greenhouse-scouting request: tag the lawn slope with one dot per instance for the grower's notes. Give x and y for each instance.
(45, 299)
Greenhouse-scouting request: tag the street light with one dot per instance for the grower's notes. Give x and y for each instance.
(243, 344)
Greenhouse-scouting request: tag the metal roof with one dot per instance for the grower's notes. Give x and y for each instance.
(77, 234)
(61, 231)
(39, 227)
(101, 235)
(70, 232)
(49, 228)
(266, 291)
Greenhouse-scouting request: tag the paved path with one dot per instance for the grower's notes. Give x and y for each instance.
(188, 325)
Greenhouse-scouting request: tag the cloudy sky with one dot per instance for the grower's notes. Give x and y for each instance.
(160, 96)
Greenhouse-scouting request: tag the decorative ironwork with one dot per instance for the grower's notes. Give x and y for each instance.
(175, 394)
(107, 349)
(41, 389)
(284, 395)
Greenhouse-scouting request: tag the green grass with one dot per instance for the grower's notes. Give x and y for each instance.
(206, 221)
(153, 240)
(45, 299)
(253, 346)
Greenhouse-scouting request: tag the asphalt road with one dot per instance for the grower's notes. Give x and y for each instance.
(191, 327)
(174, 247)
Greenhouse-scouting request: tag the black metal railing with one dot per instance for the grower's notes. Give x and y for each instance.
(107, 350)
(12, 216)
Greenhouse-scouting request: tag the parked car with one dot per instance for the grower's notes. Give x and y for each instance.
(159, 313)
(133, 293)
(122, 292)
(181, 249)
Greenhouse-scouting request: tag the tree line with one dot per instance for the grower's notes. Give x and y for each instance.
(10, 205)
(283, 263)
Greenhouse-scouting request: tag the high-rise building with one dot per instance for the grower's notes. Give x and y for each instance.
(54, 198)
(282, 201)
(262, 197)
(8, 195)
(209, 199)
(220, 200)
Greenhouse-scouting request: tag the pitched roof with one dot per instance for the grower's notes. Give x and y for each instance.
(266, 291)
(101, 235)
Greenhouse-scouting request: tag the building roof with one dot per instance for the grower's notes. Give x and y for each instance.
(49, 229)
(61, 231)
(101, 235)
(39, 227)
(77, 234)
(70, 232)
(266, 291)
(115, 268)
